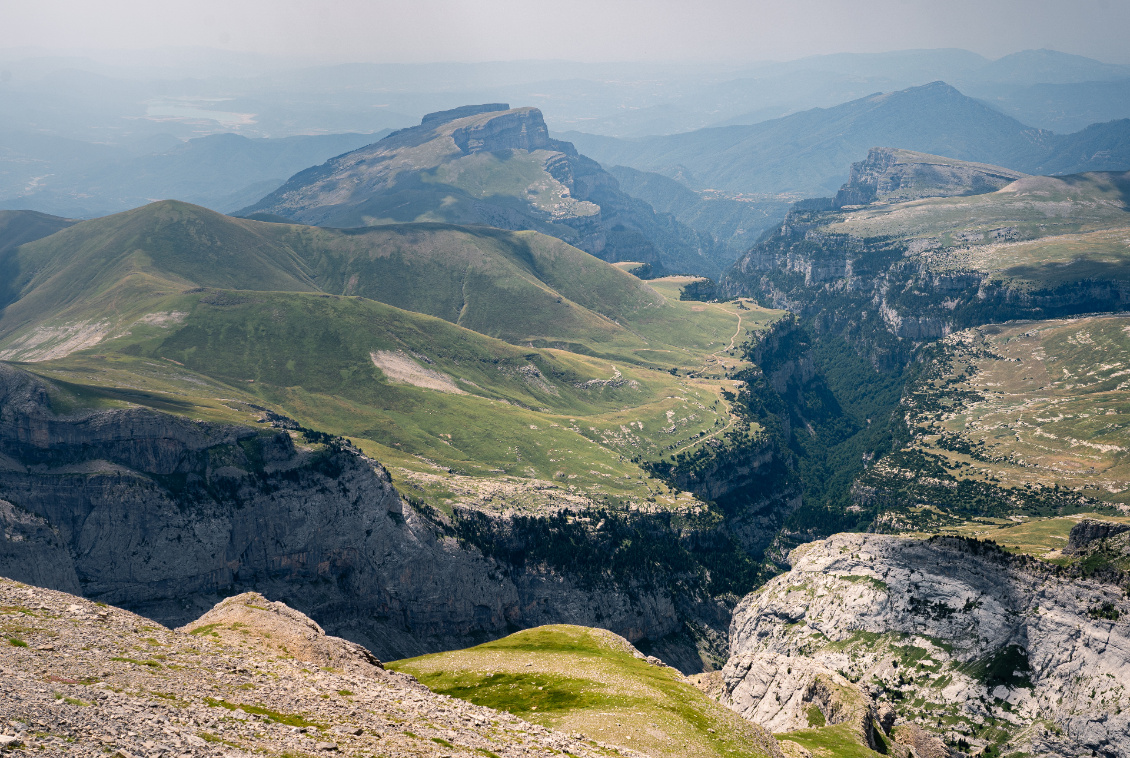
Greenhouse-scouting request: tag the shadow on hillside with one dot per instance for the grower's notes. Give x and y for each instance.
(1082, 272)
(9, 274)
(1120, 179)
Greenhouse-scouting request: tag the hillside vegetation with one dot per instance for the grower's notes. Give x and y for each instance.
(559, 367)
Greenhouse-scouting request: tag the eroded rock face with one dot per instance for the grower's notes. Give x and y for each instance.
(1088, 531)
(958, 637)
(164, 515)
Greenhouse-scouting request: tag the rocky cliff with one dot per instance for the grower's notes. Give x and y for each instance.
(164, 515)
(915, 247)
(954, 638)
(888, 175)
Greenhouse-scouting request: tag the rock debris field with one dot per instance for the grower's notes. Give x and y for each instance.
(252, 676)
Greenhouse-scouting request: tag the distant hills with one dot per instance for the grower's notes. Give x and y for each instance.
(809, 152)
(1043, 88)
(223, 172)
(107, 271)
(490, 165)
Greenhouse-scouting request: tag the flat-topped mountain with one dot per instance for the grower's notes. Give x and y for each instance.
(489, 165)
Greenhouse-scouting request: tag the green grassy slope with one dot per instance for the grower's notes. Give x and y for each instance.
(518, 286)
(117, 267)
(1014, 433)
(428, 397)
(588, 680)
(1043, 404)
(181, 306)
(20, 227)
(514, 285)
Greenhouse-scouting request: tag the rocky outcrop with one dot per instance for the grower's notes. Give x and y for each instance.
(889, 175)
(1089, 531)
(275, 626)
(164, 515)
(961, 639)
(520, 129)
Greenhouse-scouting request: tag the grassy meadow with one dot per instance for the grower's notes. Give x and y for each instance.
(590, 681)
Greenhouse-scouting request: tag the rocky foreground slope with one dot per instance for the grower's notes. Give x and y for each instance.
(942, 638)
(251, 677)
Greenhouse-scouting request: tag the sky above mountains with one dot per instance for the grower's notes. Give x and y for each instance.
(583, 30)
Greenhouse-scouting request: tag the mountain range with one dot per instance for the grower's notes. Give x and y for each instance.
(424, 392)
(808, 153)
(76, 179)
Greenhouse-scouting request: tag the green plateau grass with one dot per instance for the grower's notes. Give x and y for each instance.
(587, 680)
(309, 356)
(1036, 206)
(1046, 405)
(1031, 406)
(1037, 232)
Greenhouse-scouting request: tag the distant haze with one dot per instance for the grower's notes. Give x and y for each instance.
(581, 30)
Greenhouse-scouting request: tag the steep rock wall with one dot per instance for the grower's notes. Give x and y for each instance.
(163, 515)
(958, 637)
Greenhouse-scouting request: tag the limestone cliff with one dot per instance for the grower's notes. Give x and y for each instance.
(164, 515)
(916, 247)
(959, 638)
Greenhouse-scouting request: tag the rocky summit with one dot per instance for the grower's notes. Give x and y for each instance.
(251, 677)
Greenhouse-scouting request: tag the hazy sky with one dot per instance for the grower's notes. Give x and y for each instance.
(588, 30)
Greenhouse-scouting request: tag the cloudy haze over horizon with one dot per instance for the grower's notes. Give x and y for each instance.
(583, 30)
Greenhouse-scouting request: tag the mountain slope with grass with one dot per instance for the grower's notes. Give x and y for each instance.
(520, 286)
(496, 166)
